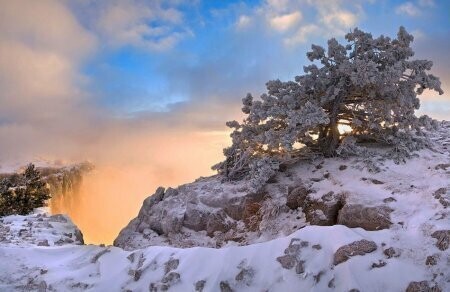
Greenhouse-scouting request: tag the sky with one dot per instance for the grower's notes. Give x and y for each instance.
(143, 88)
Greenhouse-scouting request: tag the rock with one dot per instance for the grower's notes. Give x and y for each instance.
(368, 218)
(225, 287)
(217, 221)
(443, 239)
(296, 197)
(318, 276)
(389, 200)
(343, 167)
(441, 195)
(170, 265)
(442, 166)
(171, 278)
(375, 181)
(194, 218)
(380, 264)
(300, 267)
(200, 285)
(43, 243)
(153, 199)
(422, 286)
(317, 246)
(170, 192)
(58, 218)
(431, 260)
(245, 276)
(391, 252)
(287, 261)
(360, 247)
(323, 211)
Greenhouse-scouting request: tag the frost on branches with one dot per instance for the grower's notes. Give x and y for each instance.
(369, 84)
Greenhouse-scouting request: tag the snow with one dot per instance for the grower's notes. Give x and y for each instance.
(71, 267)
(254, 266)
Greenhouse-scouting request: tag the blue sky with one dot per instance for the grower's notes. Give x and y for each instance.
(131, 77)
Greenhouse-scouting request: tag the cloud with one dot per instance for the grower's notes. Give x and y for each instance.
(41, 49)
(302, 35)
(243, 21)
(300, 21)
(408, 8)
(149, 25)
(286, 21)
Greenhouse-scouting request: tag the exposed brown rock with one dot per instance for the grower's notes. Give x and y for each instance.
(391, 252)
(287, 261)
(360, 247)
(431, 260)
(296, 197)
(368, 218)
(323, 211)
(443, 239)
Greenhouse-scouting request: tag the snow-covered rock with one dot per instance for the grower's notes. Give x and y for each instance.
(38, 229)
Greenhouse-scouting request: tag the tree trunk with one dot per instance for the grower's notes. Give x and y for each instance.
(331, 140)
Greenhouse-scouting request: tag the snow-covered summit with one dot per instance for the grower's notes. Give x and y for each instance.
(325, 225)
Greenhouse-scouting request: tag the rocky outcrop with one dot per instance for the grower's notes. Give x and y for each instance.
(360, 247)
(168, 213)
(368, 218)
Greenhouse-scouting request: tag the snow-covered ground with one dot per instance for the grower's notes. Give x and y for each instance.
(412, 253)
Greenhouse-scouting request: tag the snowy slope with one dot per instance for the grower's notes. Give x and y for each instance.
(411, 253)
(247, 268)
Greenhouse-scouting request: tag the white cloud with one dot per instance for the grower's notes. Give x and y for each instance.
(341, 19)
(408, 8)
(286, 21)
(243, 21)
(302, 35)
(42, 47)
(142, 24)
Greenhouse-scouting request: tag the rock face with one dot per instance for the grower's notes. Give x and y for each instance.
(169, 213)
(368, 218)
(360, 247)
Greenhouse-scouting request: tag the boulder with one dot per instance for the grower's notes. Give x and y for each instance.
(194, 218)
(218, 221)
(368, 218)
(235, 207)
(360, 247)
(443, 239)
(296, 197)
(323, 211)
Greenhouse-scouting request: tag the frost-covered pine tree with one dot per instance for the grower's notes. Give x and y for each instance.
(370, 84)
